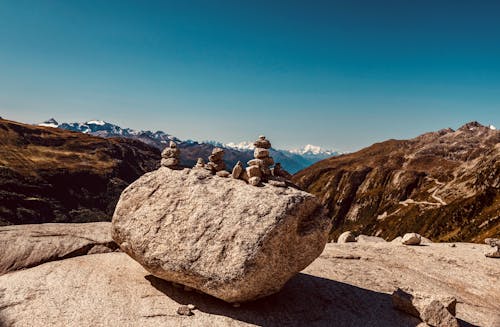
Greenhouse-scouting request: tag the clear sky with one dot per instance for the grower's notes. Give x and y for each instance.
(339, 74)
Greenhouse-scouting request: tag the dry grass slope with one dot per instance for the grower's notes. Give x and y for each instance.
(53, 175)
(444, 185)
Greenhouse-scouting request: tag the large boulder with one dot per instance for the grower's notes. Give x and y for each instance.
(218, 235)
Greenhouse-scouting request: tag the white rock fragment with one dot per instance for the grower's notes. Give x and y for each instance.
(411, 239)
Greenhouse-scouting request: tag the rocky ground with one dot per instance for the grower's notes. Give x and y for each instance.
(348, 285)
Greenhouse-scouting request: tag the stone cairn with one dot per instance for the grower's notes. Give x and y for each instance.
(216, 163)
(259, 168)
(170, 156)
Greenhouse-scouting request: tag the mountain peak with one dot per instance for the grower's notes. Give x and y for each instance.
(49, 123)
(311, 149)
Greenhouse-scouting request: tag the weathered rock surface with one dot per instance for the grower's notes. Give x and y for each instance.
(220, 236)
(411, 239)
(435, 314)
(113, 290)
(369, 239)
(24, 246)
(346, 237)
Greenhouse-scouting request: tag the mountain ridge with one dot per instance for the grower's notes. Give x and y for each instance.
(444, 185)
(54, 175)
(292, 160)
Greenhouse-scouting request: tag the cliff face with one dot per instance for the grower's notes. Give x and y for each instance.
(52, 175)
(444, 185)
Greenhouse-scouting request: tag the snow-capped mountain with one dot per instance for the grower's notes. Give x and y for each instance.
(295, 159)
(292, 160)
(313, 150)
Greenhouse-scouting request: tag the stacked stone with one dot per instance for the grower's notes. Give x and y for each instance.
(216, 163)
(237, 170)
(259, 168)
(279, 172)
(170, 156)
(200, 163)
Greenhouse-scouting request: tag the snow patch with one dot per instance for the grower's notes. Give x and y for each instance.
(48, 125)
(311, 149)
(240, 146)
(96, 122)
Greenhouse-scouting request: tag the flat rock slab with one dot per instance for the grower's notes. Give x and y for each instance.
(221, 236)
(114, 290)
(24, 246)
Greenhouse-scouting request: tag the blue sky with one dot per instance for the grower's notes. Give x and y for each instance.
(340, 74)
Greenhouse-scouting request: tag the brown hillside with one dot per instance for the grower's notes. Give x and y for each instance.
(444, 185)
(53, 175)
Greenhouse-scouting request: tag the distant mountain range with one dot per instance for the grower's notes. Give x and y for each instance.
(444, 185)
(291, 160)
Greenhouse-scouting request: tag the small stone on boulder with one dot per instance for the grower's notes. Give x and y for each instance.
(261, 153)
(278, 171)
(256, 162)
(200, 163)
(277, 183)
(237, 170)
(223, 173)
(262, 143)
(254, 171)
(254, 181)
(169, 162)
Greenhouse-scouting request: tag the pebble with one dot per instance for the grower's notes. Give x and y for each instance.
(184, 310)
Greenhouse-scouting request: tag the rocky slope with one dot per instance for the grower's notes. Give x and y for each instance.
(348, 285)
(53, 175)
(444, 185)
